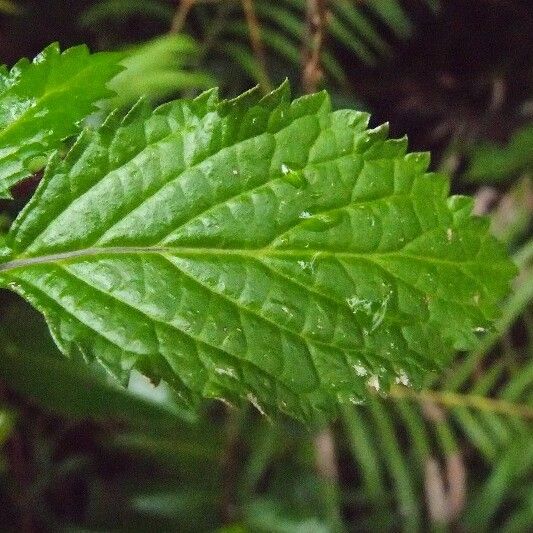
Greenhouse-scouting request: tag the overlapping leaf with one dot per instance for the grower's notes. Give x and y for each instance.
(41, 103)
(257, 248)
(159, 69)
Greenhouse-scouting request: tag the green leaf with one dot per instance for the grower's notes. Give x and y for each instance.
(492, 163)
(31, 366)
(158, 69)
(255, 248)
(41, 103)
(66, 388)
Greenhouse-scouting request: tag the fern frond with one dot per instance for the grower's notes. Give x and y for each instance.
(354, 27)
(159, 69)
(120, 10)
(483, 410)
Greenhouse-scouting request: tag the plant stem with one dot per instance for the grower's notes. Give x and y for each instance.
(311, 65)
(230, 465)
(257, 45)
(326, 466)
(178, 21)
(324, 441)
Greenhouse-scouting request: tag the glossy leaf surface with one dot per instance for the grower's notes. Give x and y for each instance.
(41, 103)
(258, 249)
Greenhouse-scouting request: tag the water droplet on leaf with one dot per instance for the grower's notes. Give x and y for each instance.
(479, 331)
(360, 370)
(403, 379)
(324, 221)
(292, 175)
(373, 381)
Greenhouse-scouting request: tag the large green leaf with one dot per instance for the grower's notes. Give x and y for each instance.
(41, 103)
(255, 248)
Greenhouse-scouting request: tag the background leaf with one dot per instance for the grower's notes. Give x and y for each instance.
(157, 70)
(42, 102)
(493, 163)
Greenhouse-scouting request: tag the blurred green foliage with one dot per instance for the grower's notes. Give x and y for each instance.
(491, 163)
(158, 69)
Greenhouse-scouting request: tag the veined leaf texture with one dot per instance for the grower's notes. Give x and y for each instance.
(258, 248)
(41, 103)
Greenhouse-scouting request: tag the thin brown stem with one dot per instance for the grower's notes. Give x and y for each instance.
(229, 465)
(316, 15)
(257, 44)
(178, 21)
(327, 470)
(445, 501)
(325, 460)
(323, 442)
(456, 475)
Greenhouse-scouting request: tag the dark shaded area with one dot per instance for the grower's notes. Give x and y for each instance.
(465, 75)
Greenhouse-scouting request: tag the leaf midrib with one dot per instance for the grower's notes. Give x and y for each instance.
(22, 262)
